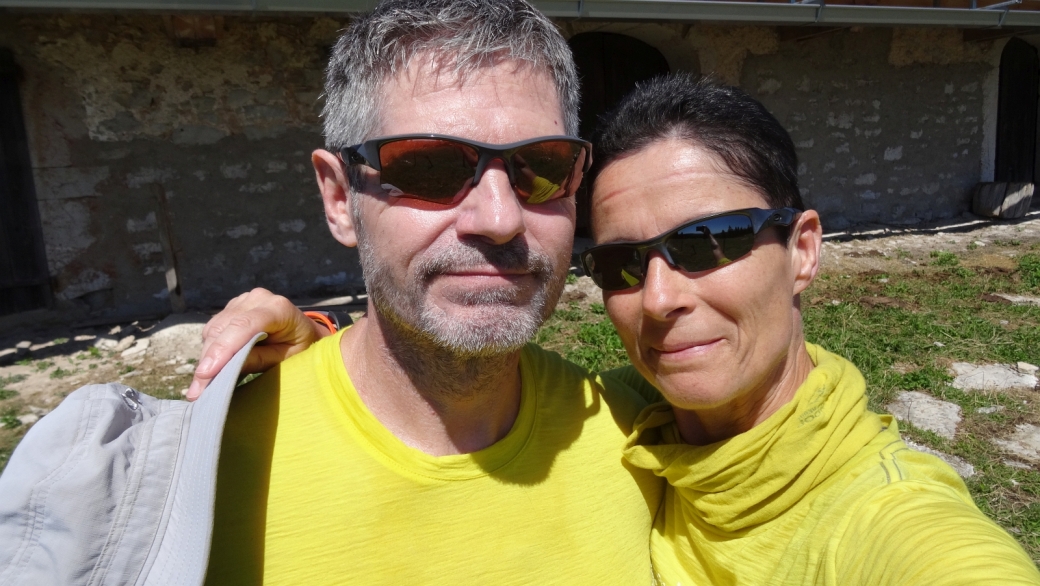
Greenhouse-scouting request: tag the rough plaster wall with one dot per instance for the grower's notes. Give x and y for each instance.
(116, 111)
(724, 49)
(718, 50)
(671, 39)
(888, 123)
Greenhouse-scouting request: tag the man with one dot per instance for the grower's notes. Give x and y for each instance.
(429, 443)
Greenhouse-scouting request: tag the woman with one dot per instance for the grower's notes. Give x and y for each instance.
(778, 473)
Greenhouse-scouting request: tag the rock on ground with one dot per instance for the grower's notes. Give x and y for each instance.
(1017, 299)
(1024, 443)
(926, 412)
(137, 350)
(179, 335)
(990, 377)
(583, 290)
(963, 468)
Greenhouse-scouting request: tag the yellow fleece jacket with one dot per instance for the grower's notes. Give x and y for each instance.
(822, 492)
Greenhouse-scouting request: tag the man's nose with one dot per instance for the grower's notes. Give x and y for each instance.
(491, 209)
(666, 290)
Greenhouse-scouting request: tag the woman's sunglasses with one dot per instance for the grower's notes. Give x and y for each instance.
(702, 244)
(438, 168)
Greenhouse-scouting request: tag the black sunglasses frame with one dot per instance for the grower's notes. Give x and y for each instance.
(760, 219)
(367, 153)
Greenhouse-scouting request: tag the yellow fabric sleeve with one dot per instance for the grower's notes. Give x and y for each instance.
(911, 533)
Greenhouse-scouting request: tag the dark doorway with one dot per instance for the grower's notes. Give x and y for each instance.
(1017, 112)
(23, 266)
(609, 65)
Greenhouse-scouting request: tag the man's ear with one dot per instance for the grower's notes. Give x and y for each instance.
(805, 244)
(335, 193)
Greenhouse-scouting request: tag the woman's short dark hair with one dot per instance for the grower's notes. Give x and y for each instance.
(722, 119)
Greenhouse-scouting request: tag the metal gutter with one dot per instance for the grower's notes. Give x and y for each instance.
(681, 10)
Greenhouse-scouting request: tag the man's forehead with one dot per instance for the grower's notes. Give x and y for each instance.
(433, 94)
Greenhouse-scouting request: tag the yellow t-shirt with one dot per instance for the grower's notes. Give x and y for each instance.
(822, 492)
(312, 489)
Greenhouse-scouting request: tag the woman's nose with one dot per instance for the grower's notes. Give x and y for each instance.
(666, 291)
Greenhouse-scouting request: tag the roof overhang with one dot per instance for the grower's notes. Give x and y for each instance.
(626, 10)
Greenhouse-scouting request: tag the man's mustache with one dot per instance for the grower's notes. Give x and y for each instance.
(514, 255)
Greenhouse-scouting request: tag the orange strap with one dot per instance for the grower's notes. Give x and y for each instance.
(322, 319)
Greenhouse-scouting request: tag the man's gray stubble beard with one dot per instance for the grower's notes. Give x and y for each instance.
(505, 321)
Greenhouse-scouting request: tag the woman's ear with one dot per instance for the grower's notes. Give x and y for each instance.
(806, 242)
(335, 194)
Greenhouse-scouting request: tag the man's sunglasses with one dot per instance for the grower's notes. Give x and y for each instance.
(702, 244)
(438, 168)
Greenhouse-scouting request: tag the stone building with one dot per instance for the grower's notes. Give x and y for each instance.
(143, 135)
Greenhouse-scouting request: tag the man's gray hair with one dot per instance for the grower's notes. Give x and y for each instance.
(463, 34)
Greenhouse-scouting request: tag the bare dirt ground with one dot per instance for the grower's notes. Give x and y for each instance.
(983, 244)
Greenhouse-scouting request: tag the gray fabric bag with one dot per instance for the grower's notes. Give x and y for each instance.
(115, 487)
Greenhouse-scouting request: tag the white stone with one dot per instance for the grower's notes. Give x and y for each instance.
(184, 392)
(1017, 464)
(185, 369)
(124, 344)
(180, 334)
(84, 338)
(926, 412)
(138, 349)
(1019, 299)
(963, 467)
(989, 410)
(28, 418)
(107, 344)
(1024, 443)
(584, 289)
(990, 377)
(1026, 368)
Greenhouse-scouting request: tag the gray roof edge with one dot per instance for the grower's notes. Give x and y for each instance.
(684, 10)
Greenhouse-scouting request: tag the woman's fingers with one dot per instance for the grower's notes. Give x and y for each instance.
(288, 332)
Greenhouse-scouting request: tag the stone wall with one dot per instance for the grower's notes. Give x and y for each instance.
(116, 112)
(892, 125)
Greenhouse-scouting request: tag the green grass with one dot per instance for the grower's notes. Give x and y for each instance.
(1029, 267)
(7, 394)
(943, 258)
(904, 334)
(42, 365)
(12, 379)
(9, 418)
(59, 373)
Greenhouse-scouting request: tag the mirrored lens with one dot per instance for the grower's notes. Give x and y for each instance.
(712, 243)
(614, 267)
(548, 170)
(426, 168)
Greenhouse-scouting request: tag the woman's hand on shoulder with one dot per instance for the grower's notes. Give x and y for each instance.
(288, 331)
